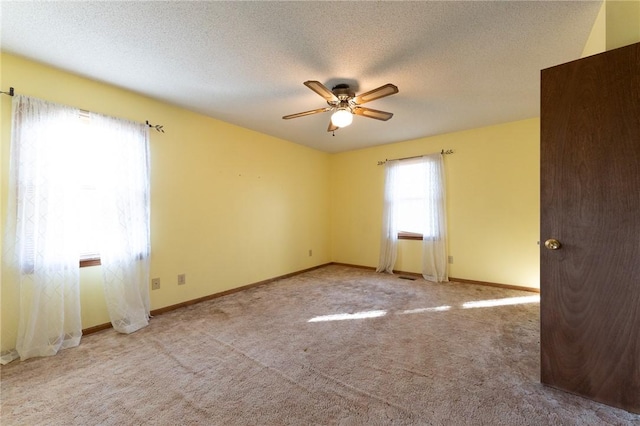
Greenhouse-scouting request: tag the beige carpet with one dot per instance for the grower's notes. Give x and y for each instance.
(380, 350)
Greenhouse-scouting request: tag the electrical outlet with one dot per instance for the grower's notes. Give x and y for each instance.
(310, 252)
(155, 284)
(450, 259)
(182, 279)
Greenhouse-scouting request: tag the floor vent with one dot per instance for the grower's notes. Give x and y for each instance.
(407, 278)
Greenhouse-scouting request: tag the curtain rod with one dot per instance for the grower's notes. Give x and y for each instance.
(443, 152)
(158, 127)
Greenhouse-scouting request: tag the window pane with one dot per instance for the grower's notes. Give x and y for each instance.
(89, 165)
(88, 223)
(411, 214)
(413, 191)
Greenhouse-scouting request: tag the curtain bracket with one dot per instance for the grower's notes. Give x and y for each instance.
(10, 92)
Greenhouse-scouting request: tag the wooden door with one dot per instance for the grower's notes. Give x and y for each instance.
(590, 203)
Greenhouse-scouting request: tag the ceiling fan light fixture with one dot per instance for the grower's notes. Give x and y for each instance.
(342, 117)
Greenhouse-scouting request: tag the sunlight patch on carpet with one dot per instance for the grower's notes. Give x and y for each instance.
(341, 317)
(467, 305)
(421, 310)
(501, 302)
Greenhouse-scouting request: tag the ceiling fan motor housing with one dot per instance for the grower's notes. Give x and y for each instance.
(343, 92)
(345, 96)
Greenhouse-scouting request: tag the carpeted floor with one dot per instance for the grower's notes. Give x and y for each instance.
(335, 346)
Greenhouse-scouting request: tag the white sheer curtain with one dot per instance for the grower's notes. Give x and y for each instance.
(41, 253)
(434, 238)
(389, 235)
(123, 188)
(422, 207)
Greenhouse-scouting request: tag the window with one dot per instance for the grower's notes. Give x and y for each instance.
(414, 208)
(80, 179)
(413, 193)
(77, 162)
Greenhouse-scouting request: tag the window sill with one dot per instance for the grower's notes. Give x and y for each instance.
(409, 236)
(90, 262)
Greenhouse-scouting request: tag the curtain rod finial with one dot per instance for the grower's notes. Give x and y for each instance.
(158, 127)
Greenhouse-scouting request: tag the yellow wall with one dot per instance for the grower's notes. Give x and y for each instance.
(623, 23)
(597, 41)
(229, 206)
(617, 25)
(492, 203)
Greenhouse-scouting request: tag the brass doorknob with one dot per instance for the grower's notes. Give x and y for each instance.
(552, 244)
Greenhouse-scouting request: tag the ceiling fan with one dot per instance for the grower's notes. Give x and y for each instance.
(344, 103)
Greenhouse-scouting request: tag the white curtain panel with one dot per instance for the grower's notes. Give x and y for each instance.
(389, 234)
(123, 188)
(434, 238)
(41, 256)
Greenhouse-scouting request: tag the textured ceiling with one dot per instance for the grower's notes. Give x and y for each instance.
(458, 64)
